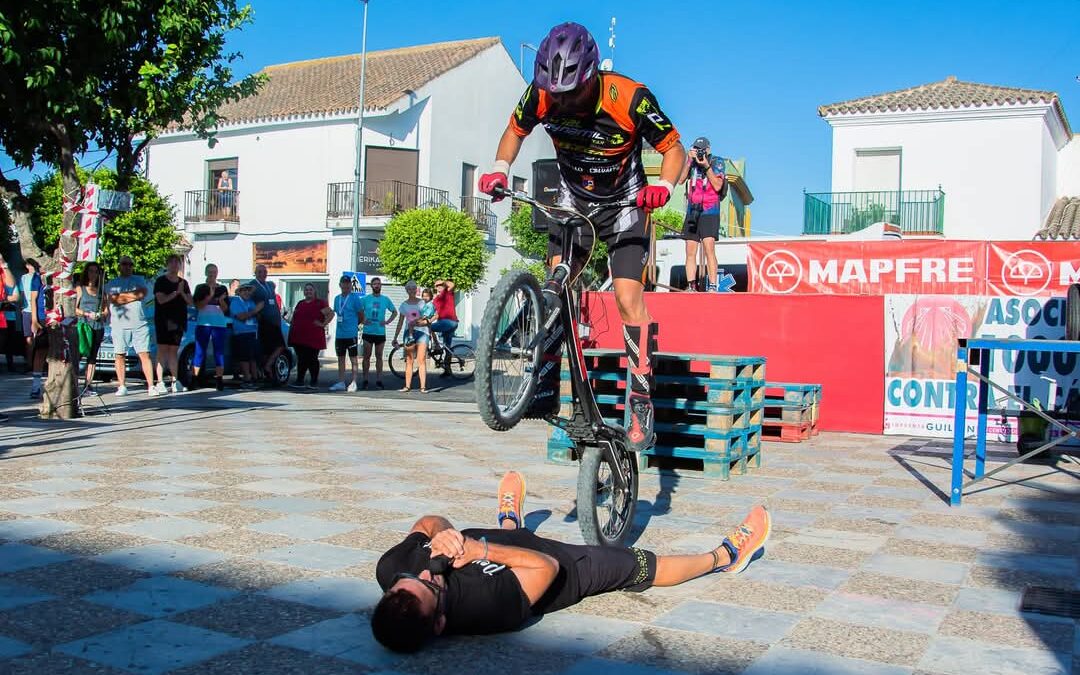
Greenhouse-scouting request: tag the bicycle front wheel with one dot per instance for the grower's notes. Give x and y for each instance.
(508, 350)
(462, 362)
(606, 513)
(397, 361)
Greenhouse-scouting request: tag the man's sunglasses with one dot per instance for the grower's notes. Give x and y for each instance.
(431, 585)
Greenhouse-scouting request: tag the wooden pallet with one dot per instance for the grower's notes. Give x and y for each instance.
(709, 410)
(787, 433)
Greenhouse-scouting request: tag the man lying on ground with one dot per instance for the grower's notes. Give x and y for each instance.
(499, 578)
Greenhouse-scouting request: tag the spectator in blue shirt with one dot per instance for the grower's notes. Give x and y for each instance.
(349, 312)
(375, 306)
(244, 312)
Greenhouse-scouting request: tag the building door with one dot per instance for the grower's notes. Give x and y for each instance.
(877, 170)
(390, 177)
(877, 189)
(222, 184)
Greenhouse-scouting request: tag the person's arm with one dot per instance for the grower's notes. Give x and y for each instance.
(78, 299)
(397, 331)
(161, 297)
(35, 325)
(535, 571)
(716, 180)
(393, 315)
(685, 173)
(202, 296)
(185, 292)
(328, 316)
(672, 166)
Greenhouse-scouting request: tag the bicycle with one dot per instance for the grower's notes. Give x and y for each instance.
(518, 352)
(459, 361)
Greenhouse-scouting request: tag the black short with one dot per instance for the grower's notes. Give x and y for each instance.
(584, 570)
(623, 230)
(698, 226)
(374, 339)
(168, 332)
(243, 347)
(270, 338)
(347, 345)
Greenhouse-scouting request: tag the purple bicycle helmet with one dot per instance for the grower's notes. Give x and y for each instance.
(567, 58)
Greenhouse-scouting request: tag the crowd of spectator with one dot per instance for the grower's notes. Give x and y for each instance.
(243, 319)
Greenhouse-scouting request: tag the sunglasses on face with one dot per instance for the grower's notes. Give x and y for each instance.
(431, 585)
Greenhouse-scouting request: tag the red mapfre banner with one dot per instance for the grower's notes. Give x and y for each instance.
(1030, 268)
(868, 267)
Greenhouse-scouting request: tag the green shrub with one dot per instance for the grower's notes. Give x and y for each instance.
(429, 244)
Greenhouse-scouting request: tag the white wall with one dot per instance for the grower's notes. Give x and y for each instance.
(1068, 174)
(991, 170)
(284, 168)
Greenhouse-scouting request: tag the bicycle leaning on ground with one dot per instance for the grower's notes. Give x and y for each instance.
(459, 360)
(517, 376)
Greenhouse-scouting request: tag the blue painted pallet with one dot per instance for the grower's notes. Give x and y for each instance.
(692, 462)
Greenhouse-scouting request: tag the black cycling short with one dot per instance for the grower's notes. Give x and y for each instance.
(584, 570)
(623, 230)
(698, 226)
(346, 345)
(374, 339)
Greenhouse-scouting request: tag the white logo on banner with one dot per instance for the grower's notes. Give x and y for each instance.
(1026, 267)
(780, 271)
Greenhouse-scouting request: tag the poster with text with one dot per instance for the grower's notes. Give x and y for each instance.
(921, 333)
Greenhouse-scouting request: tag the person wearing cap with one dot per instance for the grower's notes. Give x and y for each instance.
(349, 312)
(706, 185)
(244, 312)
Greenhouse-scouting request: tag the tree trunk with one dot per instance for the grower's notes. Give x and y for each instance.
(61, 392)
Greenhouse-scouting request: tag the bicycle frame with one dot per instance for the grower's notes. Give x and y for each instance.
(585, 405)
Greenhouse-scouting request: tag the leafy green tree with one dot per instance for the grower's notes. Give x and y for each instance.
(110, 73)
(429, 244)
(533, 246)
(146, 233)
(668, 220)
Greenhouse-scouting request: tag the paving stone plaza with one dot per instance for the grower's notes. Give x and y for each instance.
(238, 532)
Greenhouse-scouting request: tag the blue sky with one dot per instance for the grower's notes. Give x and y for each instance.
(747, 75)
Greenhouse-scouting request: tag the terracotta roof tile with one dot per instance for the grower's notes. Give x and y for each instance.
(950, 93)
(1063, 221)
(331, 85)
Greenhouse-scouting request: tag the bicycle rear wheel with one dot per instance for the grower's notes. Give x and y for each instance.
(396, 360)
(462, 362)
(508, 350)
(606, 513)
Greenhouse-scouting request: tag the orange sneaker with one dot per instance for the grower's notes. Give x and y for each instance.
(746, 540)
(512, 498)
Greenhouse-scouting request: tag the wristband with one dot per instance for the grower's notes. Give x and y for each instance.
(483, 540)
(667, 184)
(501, 166)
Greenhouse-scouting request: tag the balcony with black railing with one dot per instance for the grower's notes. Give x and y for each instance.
(480, 211)
(212, 210)
(381, 198)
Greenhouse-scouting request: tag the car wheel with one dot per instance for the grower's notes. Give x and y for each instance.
(184, 365)
(282, 368)
(1072, 313)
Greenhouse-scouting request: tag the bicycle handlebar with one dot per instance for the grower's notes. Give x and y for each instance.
(548, 208)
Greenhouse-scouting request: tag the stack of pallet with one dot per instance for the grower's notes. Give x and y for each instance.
(709, 410)
(791, 411)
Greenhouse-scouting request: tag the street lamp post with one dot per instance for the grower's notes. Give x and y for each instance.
(357, 200)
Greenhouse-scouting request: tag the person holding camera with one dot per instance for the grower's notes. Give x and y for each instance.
(706, 186)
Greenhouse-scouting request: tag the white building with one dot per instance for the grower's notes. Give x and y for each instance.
(277, 185)
(952, 158)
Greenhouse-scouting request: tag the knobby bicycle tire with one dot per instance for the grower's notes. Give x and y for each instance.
(462, 362)
(592, 458)
(491, 412)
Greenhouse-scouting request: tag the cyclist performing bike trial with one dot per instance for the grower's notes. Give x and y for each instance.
(440, 581)
(596, 121)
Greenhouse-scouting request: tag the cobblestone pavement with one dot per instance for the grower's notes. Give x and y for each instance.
(237, 533)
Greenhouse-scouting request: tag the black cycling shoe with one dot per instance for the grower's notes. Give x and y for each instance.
(639, 432)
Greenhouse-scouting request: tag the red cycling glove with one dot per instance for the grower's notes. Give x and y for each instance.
(490, 181)
(654, 196)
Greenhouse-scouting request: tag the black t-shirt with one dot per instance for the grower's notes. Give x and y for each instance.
(173, 312)
(485, 597)
(203, 290)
